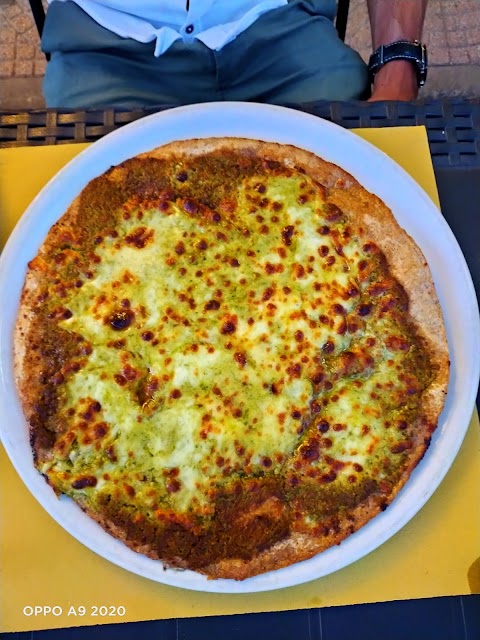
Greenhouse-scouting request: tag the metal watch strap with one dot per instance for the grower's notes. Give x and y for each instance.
(415, 52)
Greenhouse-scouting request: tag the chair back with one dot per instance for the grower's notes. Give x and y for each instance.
(342, 17)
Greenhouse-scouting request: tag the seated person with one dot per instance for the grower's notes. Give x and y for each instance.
(140, 53)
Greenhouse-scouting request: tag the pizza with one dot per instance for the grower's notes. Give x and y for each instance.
(230, 355)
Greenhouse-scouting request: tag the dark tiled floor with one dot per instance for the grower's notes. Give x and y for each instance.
(471, 614)
(434, 619)
(281, 626)
(165, 630)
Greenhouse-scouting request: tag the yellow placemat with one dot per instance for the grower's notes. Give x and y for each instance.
(436, 554)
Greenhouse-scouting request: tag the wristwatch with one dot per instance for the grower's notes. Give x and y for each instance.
(415, 52)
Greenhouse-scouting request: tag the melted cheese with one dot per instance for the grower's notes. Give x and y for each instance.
(212, 377)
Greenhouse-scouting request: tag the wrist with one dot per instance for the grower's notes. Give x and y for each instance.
(397, 80)
(399, 73)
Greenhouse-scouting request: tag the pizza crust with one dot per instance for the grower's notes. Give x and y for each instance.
(28, 362)
(406, 263)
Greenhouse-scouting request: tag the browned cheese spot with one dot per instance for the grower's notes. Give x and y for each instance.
(140, 237)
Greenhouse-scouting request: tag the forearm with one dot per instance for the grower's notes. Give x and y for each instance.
(392, 20)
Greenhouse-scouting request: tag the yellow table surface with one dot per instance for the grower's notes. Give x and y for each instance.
(435, 554)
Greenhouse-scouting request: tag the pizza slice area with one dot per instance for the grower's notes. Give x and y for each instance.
(233, 361)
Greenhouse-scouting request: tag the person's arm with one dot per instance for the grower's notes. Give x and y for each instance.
(392, 20)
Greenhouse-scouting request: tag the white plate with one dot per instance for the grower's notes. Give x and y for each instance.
(375, 171)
